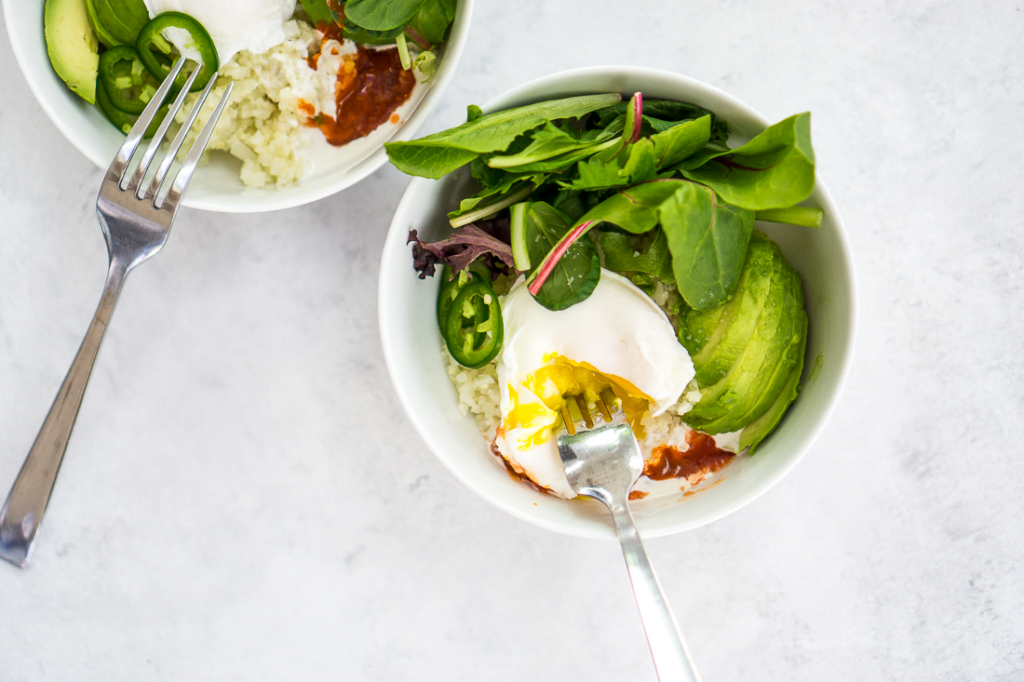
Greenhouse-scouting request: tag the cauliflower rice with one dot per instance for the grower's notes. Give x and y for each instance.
(264, 123)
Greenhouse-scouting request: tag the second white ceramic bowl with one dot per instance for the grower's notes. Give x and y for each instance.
(216, 186)
(412, 344)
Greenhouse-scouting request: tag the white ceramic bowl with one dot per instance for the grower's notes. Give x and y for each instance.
(412, 343)
(216, 186)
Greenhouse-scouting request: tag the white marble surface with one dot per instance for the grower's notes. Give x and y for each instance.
(244, 499)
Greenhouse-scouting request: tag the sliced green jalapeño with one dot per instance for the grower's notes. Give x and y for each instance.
(158, 54)
(128, 84)
(474, 330)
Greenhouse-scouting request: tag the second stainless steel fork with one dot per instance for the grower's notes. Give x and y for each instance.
(136, 221)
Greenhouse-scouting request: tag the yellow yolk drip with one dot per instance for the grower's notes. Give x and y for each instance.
(566, 378)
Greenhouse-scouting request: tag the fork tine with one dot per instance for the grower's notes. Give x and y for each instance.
(581, 402)
(188, 166)
(172, 151)
(131, 142)
(158, 137)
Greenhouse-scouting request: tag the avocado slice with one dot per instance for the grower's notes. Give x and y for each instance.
(72, 45)
(102, 33)
(754, 432)
(134, 12)
(739, 318)
(764, 367)
(722, 401)
(122, 25)
(792, 353)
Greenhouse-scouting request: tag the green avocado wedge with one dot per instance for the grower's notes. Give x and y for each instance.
(721, 402)
(738, 318)
(755, 348)
(756, 431)
(105, 36)
(791, 356)
(72, 45)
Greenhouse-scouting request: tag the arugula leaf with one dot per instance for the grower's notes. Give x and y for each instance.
(708, 240)
(577, 272)
(642, 267)
(773, 170)
(318, 11)
(438, 154)
(382, 16)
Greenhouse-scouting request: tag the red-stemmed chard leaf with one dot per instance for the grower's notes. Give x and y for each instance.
(636, 108)
(547, 265)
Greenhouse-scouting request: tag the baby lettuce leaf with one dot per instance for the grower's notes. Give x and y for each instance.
(546, 142)
(706, 236)
(641, 162)
(461, 248)
(636, 209)
(577, 272)
(681, 141)
(708, 240)
(773, 170)
(435, 155)
(643, 266)
(376, 15)
(497, 197)
(656, 108)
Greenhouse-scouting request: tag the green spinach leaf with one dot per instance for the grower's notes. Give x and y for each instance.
(652, 261)
(680, 141)
(435, 155)
(635, 209)
(773, 170)
(378, 15)
(433, 19)
(708, 240)
(318, 11)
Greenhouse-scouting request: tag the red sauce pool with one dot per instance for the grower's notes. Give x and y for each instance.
(701, 458)
(368, 90)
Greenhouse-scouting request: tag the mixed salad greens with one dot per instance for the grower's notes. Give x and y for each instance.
(386, 22)
(650, 190)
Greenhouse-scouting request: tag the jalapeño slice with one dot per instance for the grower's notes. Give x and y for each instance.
(129, 86)
(474, 330)
(451, 287)
(124, 121)
(158, 54)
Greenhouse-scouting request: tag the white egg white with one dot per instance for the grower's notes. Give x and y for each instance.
(234, 25)
(618, 330)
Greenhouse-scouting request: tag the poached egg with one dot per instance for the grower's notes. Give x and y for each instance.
(234, 25)
(617, 340)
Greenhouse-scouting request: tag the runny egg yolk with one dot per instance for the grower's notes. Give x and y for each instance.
(557, 384)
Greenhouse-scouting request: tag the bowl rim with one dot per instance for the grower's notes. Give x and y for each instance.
(274, 201)
(391, 348)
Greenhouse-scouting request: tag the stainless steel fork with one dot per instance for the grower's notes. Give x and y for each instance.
(605, 463)
(136, 220)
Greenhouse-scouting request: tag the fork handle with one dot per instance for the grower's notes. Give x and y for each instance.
(671, 657)
(23, 510)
